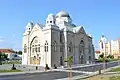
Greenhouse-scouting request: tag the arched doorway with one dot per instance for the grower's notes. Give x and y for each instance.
(35, 57)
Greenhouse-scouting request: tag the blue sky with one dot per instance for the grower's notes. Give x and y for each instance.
(97, 17)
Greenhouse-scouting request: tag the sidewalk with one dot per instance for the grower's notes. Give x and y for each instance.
(84, 76)
(22, 73)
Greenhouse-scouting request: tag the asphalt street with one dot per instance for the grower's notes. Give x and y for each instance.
(40, 76)
(58, 74)
(96, 67)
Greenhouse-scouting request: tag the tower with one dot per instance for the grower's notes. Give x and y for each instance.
(25, 43)
(50, 20)
(29, 27)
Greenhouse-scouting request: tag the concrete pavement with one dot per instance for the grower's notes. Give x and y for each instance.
(80, 70)
(52, 75)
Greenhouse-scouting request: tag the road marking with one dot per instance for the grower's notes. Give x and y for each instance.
(74, 71)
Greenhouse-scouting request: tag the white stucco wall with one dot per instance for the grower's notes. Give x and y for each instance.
(50, 33)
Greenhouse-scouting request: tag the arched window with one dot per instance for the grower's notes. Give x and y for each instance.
(39, 48)
(46, 46)
(61, 48)
(81, 46)
(89, 59)
(89, 48)
(70, 47)
(50, 21)
(54, 46)
(25, 48)
(33, 48)
(60, 37)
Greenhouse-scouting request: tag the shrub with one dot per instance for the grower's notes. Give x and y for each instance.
(13, 67)
(46, 67)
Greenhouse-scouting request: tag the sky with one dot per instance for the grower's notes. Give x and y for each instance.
(97, 16)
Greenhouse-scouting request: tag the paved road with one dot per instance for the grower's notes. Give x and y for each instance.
(96, 67)
(57, 74)
(40, 76)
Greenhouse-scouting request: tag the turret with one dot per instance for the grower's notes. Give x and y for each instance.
(50, 20)
(29, 27)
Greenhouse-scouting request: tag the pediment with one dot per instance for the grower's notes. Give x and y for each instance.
(82, 30)
(36, 28)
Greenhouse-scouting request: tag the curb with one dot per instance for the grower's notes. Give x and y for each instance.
(97, 73)
(23, 73)
(84, 76)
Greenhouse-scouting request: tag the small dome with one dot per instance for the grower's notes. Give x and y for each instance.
(30, 24)
(50, 15)
(62, 14)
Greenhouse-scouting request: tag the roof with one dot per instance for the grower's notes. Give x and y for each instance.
(6, 51)
(97, 52)
(62, 14)
(77, 28)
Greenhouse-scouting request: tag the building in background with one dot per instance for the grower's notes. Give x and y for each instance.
(55, 41)
(97, 54)
(109, 47)
(11, 55)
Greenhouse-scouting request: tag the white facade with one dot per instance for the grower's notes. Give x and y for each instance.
(58, 39)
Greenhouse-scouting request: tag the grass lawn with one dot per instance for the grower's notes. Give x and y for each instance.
(4, 71)
(116, 69)
(12, 62)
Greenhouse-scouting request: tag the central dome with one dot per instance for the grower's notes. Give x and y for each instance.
(62, 14)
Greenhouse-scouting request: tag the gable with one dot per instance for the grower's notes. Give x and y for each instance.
(36, 28)
(79, 29)
(82, 30)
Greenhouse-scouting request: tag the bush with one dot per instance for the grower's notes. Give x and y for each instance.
(46, 67)
(101, 56)
(13, 67)
(0, 63)
(110, 56)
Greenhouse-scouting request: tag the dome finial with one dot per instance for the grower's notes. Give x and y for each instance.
(62, 13)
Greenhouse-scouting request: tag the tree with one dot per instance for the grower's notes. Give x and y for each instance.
(19, 52)
(69, 60)
(4, 56)
(0, 58)
(101, 56)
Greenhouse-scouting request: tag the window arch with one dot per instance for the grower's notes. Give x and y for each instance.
(25, 48)
(89, 48)
(81, 46)
(46, 46)
(70, 47)
(54, 46)
(33, 48)
(61, 47)
(39, 48)
(35, 45)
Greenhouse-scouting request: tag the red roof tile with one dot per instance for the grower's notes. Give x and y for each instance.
(97, 52)
(6, 51)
